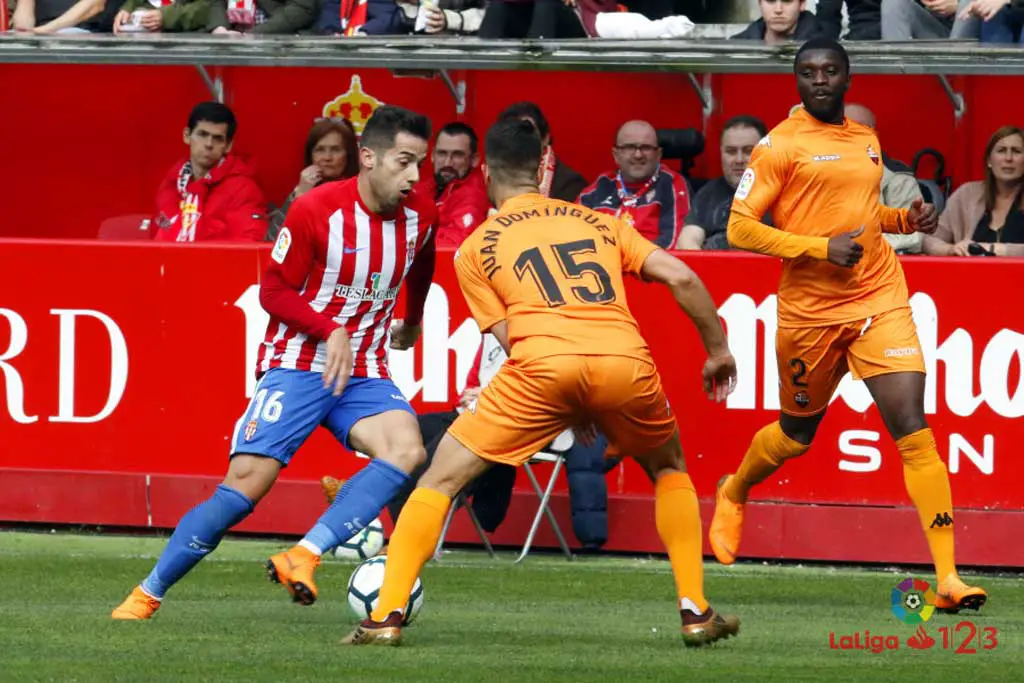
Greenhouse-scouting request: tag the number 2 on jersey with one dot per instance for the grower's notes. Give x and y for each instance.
(531, 262)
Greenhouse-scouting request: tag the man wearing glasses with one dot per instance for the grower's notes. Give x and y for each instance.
(641, 190)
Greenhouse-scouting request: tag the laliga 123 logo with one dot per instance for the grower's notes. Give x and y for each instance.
(913, 601)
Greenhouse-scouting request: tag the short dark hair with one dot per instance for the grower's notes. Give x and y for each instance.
(528, 110)
(746, 121)
(513, 150)
(826, 45)
(460, 128)
(213, 112)
(387, 122)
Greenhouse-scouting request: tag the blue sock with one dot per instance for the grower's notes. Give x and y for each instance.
(357, 504)
(195, 537)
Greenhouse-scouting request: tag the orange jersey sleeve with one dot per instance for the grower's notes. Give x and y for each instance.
(895, 220)
(554, 272)
(484, 303)
(819, 180)
(761, 185)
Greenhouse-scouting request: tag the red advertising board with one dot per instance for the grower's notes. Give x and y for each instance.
(125, 366)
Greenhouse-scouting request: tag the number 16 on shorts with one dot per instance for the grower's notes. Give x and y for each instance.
(266, 406)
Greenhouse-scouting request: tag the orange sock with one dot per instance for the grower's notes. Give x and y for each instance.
(412, 543)
(677, 516)
(927, 482)
(769, 449)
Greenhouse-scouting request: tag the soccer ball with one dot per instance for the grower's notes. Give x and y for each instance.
(364, 589)
(363, 545)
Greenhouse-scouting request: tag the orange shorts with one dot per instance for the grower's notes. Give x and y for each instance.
(528, 403)
(812, 360)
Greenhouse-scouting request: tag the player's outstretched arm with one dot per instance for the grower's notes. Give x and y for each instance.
(695, 300)
(291, 261)
(751, 234)
(764, 181)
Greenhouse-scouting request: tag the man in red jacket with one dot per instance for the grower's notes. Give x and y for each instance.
(212, 195)
(457, 184)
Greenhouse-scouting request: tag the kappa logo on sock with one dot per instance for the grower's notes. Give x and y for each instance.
(942, 519)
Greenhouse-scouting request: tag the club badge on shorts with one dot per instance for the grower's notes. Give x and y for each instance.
(250, 430)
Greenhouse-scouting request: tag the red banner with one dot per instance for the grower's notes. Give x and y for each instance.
(138, 359)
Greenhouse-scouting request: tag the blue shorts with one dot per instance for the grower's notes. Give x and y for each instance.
(289, 404)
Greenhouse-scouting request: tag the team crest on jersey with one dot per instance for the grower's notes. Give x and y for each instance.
(250, 430)
(282, 245)
(745, 185)
(872, 155)
(410, 250)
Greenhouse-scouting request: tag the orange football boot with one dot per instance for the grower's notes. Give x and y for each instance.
(138, 605)
(726, 526)
(295, 568)
(954, 595)
(330, 486)
(387, 632)
(708, 627)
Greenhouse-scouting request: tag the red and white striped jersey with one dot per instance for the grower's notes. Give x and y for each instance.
(348, 265)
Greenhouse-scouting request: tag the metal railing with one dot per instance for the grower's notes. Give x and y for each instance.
(421, 52)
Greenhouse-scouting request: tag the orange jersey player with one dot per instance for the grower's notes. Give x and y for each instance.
(546, 278)
(843, 303)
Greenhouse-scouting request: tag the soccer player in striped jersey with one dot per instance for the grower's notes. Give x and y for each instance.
(330, 289)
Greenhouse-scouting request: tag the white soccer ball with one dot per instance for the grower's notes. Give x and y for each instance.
(364, 590)
(363, 545)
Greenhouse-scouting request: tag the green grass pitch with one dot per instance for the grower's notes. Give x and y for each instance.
(594, 619)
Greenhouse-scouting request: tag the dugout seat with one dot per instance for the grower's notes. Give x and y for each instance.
(130, 228)
(554, 454)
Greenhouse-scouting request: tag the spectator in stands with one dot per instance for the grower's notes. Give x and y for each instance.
(212, 194)
(555, 178)
(331, 154)
(531, 19)
(141, 16)
(457, 184)
(782, 21)
(1002, 20)
(641, 190)
(262, 17)
(986, 217)
(865, 18)
(927, 19)
(461, 17)
(353, 18)
(705, 226)
(45, 17)
(899, 188)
